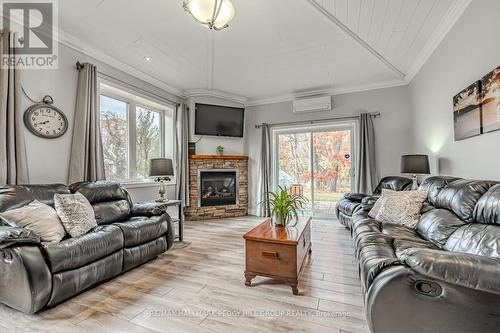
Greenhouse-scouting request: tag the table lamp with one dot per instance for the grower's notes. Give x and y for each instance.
(161, 169)
(415, 165)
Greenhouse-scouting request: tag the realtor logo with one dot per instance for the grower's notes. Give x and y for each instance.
(34, 25)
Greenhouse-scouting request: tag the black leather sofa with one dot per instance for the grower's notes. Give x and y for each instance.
(35, 276)
(353, 202)
(445, 275)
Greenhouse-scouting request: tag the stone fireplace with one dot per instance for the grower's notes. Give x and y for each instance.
(218, 187)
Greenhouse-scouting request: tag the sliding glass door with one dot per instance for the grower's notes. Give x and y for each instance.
(316, 161)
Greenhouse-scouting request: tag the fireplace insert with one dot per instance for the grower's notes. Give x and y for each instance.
(218, 187)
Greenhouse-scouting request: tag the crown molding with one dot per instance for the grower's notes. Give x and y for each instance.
(332, 92)
(82, 47)
(215, 93)
(449, 19)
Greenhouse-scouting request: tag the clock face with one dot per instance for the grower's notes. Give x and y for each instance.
(46, 121)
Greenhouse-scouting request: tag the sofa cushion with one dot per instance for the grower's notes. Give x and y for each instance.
(366, 225)
(461, 196)
(487, 210)
(347, 207)
(397, 231)
(474, 238)
(77, 252)
(140, 229)
(395, 183)
(111, 211)
(434, 185)
(375, 253)
(15, 196)
(101, 191)
(437, 225)
(401, 245)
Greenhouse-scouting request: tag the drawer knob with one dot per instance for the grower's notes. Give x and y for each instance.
(271, 255)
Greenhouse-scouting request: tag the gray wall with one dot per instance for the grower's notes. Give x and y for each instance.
(469, 51)
(393, 129)
(48, 159)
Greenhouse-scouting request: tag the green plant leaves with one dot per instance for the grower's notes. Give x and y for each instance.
(284, 204)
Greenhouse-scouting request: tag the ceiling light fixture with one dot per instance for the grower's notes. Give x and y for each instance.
(213, 14)
(148, 59)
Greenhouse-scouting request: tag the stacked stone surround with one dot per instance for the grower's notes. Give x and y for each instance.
(193, 212)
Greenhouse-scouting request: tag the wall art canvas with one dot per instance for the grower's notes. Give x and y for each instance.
(490, 105)
(467, 112)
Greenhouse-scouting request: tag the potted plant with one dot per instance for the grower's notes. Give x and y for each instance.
(284, 206)
(220, 150)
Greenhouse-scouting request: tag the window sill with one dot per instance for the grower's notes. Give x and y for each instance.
(139, 184)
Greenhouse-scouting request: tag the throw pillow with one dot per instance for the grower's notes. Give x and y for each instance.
(39, 218)
(401, 207)
(75, 212)
(376, 207)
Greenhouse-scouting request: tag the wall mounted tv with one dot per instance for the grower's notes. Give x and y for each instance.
(219, 120)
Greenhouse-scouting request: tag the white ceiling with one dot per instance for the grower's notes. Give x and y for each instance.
(273, 50)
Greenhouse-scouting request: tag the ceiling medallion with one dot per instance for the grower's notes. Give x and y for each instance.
(213, 14)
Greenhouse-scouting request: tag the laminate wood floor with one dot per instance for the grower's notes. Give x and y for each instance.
(198, 286)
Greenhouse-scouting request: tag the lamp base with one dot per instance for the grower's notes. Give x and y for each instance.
(414, 186)
(162, 190)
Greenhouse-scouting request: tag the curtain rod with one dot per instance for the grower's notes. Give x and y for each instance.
(79, 66)
(373, 114)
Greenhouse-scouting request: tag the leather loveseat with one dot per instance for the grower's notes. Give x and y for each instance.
(444, 276)
(352, 202)
(35, 276)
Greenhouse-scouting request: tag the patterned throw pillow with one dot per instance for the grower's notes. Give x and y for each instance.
(376, 207)
(401, 207)
(75, 212)
(39, 218)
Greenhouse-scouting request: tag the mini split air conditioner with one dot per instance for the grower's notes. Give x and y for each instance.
(312, 104)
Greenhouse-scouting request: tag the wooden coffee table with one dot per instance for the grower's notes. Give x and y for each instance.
(277, 252)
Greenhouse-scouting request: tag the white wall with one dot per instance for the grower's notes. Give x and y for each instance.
(48, 160)
(207, 144)
(393, 129)
(469, 51)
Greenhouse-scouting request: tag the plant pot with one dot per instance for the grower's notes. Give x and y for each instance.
(220, 153)
(279, 221)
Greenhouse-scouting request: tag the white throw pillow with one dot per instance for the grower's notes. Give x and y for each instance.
(75, 212)
(39, 218)
(401, 207)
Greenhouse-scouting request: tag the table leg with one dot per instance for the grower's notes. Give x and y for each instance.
(181, 223)
(248, 278)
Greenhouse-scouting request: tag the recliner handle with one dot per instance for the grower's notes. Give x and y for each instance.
(428, 288)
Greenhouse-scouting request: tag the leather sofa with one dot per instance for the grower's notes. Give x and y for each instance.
(444, 276)
(34, 276)
(352, 202)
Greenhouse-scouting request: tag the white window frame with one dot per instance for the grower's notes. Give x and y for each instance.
(130, 97)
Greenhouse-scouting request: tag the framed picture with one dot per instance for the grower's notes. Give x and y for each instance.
(490, 105)
(467, 112)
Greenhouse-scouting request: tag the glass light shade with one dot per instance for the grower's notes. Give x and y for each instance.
(203, 11)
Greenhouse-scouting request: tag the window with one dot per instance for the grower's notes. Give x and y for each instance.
(134, 130)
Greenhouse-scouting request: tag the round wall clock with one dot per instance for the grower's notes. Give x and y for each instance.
(45, 120)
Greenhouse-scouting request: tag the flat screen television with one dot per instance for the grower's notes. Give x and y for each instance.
(219, 120)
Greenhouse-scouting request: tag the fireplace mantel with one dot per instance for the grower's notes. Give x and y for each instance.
(218, 157)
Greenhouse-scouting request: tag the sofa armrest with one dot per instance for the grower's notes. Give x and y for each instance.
(355, 197)
(463, 269)
(149, 209)
(10, 236)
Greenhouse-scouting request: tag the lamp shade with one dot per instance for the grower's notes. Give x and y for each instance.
(415, 164)
(161, 167)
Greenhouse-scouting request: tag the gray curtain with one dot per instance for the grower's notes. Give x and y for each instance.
(182, 126)
(13, 161)
(87, 159)
(265, 171)
(366, 172)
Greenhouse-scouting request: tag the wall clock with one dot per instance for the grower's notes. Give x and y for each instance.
(45, 120)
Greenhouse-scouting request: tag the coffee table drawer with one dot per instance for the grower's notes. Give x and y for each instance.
(271, 259)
